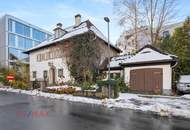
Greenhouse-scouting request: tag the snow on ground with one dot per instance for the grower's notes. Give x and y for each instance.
(187, 96)
(161, 105)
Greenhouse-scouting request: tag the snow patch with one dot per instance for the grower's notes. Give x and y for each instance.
(186, 96)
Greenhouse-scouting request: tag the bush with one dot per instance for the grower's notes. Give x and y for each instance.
(19, 85)
(68, 90)
(35, 84)
(86, 86)
(117, 85)
(21, 76)
(113, 85)
(121, 85)
(4, 73)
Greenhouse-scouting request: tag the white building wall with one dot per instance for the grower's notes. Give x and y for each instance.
(167, 74)
(39, 67)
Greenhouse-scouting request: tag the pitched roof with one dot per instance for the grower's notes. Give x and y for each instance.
(117, 60)
(73, 31)
(149, 54)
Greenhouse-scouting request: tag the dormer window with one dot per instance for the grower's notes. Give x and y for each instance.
(58, 31)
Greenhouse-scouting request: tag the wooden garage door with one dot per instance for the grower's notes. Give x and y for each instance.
(146, 80)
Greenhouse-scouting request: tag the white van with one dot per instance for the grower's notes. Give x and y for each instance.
(184, 84)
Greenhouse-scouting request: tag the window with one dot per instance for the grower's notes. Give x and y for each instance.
(34, 74)
(60, 72)
(114, 75)
(24, 43)
(38, 35)
(111, 75)
(39, 57)
(21, 42)
(28, 43)
(22, 55)
(22, 29)
(15, 54)
(36, 43)
(117, 75)
(145, 52)
(12, 41)
(166, 34)
(10, 25)
(45, 74)
(48, 36)
(12, 65)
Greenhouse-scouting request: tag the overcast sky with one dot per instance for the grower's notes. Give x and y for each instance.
(46, 13)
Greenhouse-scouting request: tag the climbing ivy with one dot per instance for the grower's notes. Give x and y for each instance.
(84, 58)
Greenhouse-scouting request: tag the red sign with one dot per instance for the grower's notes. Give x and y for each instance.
(10, 77)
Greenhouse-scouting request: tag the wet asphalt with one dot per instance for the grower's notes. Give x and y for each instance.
(23, 112)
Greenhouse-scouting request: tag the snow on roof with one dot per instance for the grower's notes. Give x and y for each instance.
(115, 61)
(148, 54)
(73, 31)
(184, 79)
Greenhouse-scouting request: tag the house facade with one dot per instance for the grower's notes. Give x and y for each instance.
(49, 60)
(148, 71)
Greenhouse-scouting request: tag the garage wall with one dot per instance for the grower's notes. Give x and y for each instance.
(167, 75)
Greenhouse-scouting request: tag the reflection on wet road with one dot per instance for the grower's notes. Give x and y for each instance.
(22, 112)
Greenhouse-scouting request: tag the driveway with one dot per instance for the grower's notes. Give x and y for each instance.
(23, 112)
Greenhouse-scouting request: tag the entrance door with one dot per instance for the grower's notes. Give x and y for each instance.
(52, 75)
(146, 80)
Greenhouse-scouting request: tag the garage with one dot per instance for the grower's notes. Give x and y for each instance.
(149, 80)
(149, 71)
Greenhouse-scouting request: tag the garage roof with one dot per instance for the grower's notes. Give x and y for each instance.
(149, 54)
(115, 61)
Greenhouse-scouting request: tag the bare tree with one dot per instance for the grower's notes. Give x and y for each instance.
(130, 15)
(151, 13)
(158, 13)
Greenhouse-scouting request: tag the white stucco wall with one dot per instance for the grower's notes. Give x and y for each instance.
(39, 67)
(167, 74)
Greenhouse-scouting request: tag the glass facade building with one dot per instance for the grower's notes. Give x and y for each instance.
(21, 36)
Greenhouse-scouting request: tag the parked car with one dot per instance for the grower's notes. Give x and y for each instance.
(183, 84)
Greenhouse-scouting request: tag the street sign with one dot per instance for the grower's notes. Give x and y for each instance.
(10, 77)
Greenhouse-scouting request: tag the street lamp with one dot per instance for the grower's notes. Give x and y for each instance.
(108, 21)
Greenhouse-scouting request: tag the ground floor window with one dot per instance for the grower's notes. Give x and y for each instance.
(34, 74)
(45, 74)
(60, 72)
(111, 75)
(115, 75)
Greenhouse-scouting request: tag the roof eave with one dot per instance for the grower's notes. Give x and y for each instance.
(169, 61)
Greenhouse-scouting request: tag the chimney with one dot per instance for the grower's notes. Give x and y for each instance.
(77, 19)
(58, 31)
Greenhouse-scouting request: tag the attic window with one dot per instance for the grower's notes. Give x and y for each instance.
(145, 52)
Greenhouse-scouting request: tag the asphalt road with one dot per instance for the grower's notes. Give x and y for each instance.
(22, 112)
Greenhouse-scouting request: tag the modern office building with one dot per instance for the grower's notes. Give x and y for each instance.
(17, 36)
